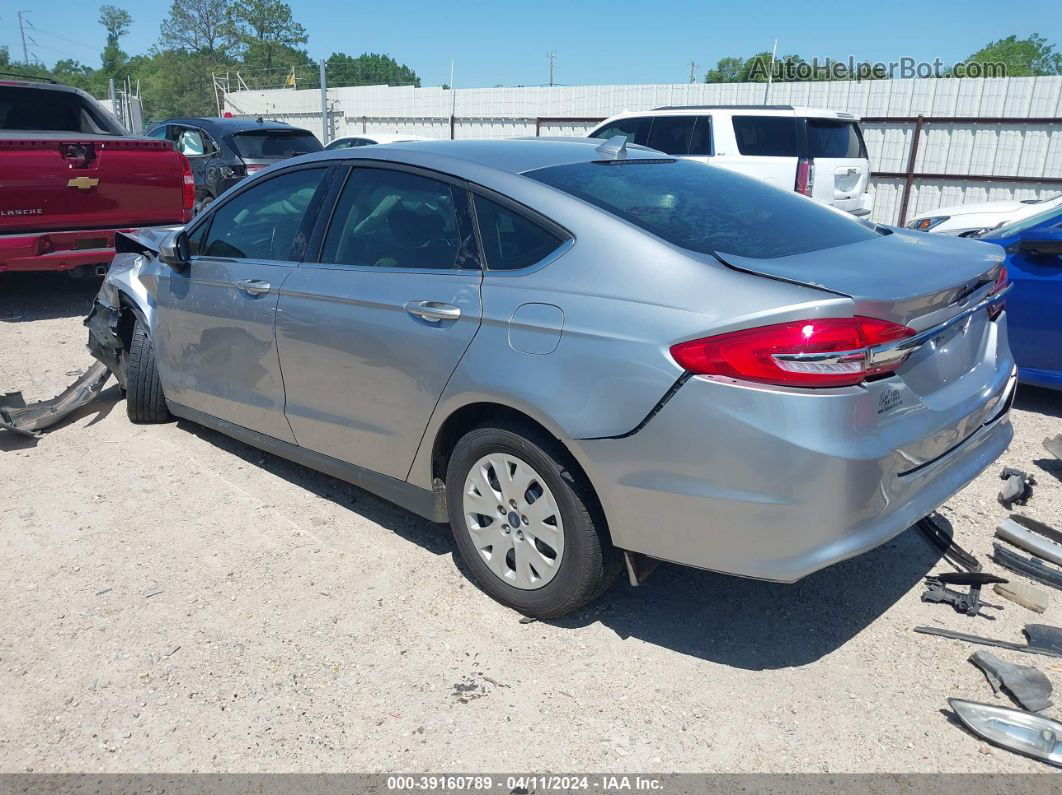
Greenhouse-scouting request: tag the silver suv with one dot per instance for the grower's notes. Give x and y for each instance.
(575, 354)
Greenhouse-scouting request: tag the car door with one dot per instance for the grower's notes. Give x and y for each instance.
(214, 338)
(370, 333)
(1034, 306)
(197, 146)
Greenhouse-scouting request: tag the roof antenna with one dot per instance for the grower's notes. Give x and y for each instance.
(615, 147)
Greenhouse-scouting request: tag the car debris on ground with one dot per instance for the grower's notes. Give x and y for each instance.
(31, 419)
(1053, 445)
(1028, 686)
(968, 603)
(1022, 594)
(1042, 639)
(1017, 488)
(1012, 729)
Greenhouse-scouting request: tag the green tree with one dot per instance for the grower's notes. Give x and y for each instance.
(369, 69)
(202, 26)
(1029, 57)
(117, 21)
(265, 28)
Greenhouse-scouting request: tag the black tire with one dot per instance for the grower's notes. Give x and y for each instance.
(144, 401)
(589, 564)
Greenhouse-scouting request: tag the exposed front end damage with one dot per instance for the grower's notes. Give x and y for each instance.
(110, 324)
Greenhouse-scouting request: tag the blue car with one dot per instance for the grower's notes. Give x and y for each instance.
(1034, 306)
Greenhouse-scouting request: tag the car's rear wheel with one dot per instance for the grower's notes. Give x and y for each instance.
(526, 523)
(144, 400)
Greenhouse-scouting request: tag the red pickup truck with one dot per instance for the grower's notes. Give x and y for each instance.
(70, 177)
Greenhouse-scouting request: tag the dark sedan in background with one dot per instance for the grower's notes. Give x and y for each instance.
(223, 151)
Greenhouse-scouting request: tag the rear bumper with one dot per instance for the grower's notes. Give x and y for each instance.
(56, 251)
(777, 485)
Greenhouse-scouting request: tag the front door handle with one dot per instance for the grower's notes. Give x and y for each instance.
(433, 311)
(254, 287)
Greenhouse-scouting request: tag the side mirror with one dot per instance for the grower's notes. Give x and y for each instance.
(1043, 241)
(176, 251)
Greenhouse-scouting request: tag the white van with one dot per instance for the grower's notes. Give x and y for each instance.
(819, 153)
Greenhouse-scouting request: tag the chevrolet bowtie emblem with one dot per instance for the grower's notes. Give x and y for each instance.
(83, 183)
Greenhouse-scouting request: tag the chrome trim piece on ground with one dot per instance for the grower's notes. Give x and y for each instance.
(1019, 536)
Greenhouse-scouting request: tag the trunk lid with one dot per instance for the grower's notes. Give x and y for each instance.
(918, 280)
(56, 181)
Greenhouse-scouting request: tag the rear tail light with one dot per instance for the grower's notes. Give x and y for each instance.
(188, 183)
(826, 352)
(996, 309)
(254, 167)
(805, 176)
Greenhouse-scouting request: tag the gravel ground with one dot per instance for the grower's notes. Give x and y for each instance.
(175, 600)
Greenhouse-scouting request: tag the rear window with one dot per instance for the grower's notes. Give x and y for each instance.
(45, 110)
(274, 145)
(829, 138)
(706, 209)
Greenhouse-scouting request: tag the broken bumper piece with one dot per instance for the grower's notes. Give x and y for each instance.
(30, 420)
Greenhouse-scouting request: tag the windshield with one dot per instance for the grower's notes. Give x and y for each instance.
(275, 144)
(48, 110)
(706, 209)
(1016, 228)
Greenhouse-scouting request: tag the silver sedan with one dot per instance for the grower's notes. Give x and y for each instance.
(578, 354)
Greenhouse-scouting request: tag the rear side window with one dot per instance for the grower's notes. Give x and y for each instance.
(829, 138)
(635, 129)
(511, 241)
(767, 136)
(394, 219)
(701, 142)
(263, 222)
(706, 209)
(273, 145)
(671, 134)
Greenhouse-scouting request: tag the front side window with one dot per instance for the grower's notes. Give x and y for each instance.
(511, 241)
(767, 136)
(263, 222)
(671, 134)
(190, 143)
(635, 129)
(395, 219)
(706, 209)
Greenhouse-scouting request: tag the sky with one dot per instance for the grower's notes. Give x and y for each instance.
(595, 41)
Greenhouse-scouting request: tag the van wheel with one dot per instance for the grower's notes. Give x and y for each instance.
(526, 523)
(144, 401)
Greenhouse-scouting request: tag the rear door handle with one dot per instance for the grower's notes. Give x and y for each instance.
(253, 287)
(433, 311)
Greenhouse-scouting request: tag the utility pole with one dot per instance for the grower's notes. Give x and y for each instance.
(324, 101)
(693, 72)
(552, 56)
(770, 73)
(22, 30)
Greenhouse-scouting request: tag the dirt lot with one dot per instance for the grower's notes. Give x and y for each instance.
(174, 600)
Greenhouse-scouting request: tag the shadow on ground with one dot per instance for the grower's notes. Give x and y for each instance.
(45, 296)
(732, 621)
(1043, 401)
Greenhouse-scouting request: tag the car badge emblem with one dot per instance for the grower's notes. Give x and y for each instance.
(83, 183)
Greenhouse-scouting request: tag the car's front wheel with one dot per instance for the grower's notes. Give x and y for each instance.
(526, 523)
(144, 400)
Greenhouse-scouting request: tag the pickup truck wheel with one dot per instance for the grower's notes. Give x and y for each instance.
(144, 401)
(525, 522)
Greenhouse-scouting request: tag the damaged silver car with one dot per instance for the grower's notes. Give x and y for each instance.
(579, 354)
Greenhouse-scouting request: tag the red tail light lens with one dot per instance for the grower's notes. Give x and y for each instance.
(805, 176)
(809, 353)
(188, 183)
(995, 310)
